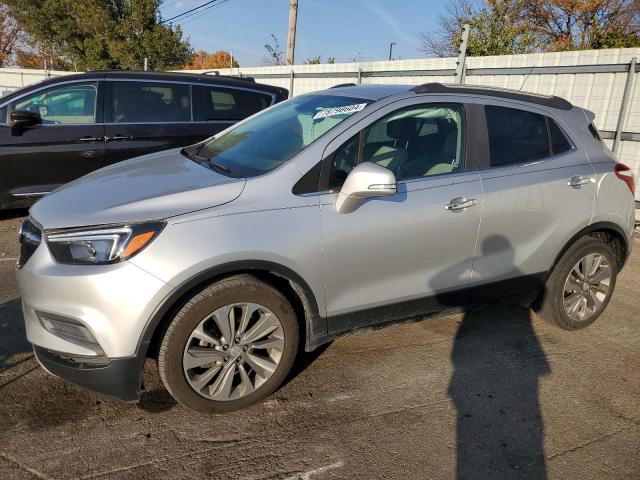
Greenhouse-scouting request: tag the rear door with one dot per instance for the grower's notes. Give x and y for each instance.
(220, 106)
(147, 116)
(539, 190)
(66, 145)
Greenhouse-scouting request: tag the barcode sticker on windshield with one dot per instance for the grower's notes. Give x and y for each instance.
(348, 109)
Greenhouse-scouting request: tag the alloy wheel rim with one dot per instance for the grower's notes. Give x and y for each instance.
(233, 351)
(587, 287)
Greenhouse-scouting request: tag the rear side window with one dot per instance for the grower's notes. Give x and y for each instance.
(594, 131)
(516, 136)
(133, 102)
(559, 142)
(219, 103)
(3, 115)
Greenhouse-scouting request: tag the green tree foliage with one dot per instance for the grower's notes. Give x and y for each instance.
(498, 27)
(95, 34)
(274, 55)
(318, 60)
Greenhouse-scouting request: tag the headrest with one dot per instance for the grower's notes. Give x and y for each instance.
(403, 128)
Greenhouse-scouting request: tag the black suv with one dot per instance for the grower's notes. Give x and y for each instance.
(60, 129)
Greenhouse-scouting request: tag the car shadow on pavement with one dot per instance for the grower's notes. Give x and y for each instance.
(13, 213)
(497, 364)
(12, 335)
(13, 342)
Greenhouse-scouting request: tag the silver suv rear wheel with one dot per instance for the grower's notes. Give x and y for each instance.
(587, 286)
(580, 286)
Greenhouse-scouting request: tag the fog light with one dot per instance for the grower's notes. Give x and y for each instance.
(71, 330)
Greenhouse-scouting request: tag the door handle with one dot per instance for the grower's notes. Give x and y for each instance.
(117, 138)
(577, 181)
(460, 203)
(90, 139)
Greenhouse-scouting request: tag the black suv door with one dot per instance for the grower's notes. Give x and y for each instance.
(67, 144)
(145, 116)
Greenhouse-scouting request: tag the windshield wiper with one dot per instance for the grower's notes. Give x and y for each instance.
(218, 166)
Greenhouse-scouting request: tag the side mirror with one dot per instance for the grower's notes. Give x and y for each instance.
(365, 181)
(24, 118)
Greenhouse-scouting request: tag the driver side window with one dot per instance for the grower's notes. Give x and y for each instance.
(73, 103)
(414, 142)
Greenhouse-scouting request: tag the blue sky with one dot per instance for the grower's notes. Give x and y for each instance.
(344, 29)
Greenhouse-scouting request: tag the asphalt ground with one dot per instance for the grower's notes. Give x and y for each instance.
(494, 393)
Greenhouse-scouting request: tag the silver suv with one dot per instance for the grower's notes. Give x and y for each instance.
(335, 211)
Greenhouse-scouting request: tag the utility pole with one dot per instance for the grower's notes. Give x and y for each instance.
(391, 50)
(291, 37)
(461, 68)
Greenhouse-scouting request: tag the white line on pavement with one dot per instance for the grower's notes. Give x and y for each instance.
(310, 473)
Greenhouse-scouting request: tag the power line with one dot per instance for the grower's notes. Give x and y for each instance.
(199, 7)
(201, 13)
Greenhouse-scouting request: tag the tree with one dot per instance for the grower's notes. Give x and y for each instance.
(10, 36)
(94, 34)
(36, 56)
(585, 24)
(497, 27)
(202, 60)
(502, 27)
(275, 55)
(318, 60)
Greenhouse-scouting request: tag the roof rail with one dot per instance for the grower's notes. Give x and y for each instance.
(235, 77)
(340, 85)
(547, 101)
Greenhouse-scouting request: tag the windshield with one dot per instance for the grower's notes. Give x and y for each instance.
(276, 135)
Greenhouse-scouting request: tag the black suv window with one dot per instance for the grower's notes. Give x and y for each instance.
(72, 103)
(149, 102)
(219, 103)
(419, 141)
(3, 115)
(517, 136)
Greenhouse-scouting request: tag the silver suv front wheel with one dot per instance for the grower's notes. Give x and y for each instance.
(229, 346)
(233, 351)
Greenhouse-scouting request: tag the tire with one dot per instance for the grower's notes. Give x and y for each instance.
(556, 302)
(229, 389)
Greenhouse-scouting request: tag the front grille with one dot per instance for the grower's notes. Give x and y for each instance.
(30, 236)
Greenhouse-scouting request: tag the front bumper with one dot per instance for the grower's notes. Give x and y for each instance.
(119, 380)
(113, 302)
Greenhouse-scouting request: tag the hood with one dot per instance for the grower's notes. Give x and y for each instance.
(150, 187)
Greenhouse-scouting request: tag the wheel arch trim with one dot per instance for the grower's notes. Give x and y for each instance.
(315, 325)
(594, 227)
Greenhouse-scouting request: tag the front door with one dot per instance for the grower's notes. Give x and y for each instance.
(410, 253)
(66, 145)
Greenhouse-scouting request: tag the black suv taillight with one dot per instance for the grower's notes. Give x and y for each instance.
(625, 174)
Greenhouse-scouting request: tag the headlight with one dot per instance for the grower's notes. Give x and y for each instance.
(100, 245)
